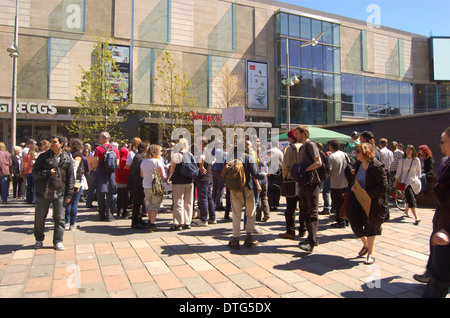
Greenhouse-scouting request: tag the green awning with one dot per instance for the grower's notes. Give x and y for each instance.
(321, 135)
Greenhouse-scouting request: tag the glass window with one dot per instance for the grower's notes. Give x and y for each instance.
(317, 57)
(307, 111)
(318, 85)
(405, 95)
(348, 109)
(420, 98)
(371, 91)
(294, 26)
(328, 59)
(393, 94)
(294, 53)
(327, 37)
(359, 91)
(432, 97)
(306, 57)
(284, 24)
(307, 84)
(347, 88)
(336, 35)
(328, 86)
(305, 28)
(281, 51)
(316, 28)
(382, 91)
(444, 96)
(337, 60)
(281, 75)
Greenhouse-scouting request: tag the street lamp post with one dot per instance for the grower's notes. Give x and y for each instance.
(14, 54)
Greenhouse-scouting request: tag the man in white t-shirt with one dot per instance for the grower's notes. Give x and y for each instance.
(388, 156)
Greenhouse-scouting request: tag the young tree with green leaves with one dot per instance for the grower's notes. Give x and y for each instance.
(175, 100)
(100, 96)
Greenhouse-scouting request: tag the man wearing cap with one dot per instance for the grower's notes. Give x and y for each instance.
(290, 157)
(368, 137)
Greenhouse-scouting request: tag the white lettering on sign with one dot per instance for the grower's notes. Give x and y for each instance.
(74, 19)
(29, 108)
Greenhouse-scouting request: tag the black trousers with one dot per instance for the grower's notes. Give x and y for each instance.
(289, 215)
(138, 202)
(309, 206)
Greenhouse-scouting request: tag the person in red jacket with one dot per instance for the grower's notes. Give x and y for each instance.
(122, 174)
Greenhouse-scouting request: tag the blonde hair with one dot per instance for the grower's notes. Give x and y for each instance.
(2, 146)
(154, 152)
(183, 144)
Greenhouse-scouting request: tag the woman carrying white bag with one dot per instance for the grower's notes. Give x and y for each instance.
(76, 147)
(407, 179)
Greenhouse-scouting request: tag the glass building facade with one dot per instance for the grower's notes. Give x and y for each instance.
(324, 94)
(315, 99)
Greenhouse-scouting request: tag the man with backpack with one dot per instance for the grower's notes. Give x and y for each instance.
(312, 171)
(238, 174)
(105, 181)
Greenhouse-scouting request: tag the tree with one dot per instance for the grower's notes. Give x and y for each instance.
(176, 103)
(100, 96)
(230, 91)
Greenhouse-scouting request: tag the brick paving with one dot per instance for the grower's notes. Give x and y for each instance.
(110, 260)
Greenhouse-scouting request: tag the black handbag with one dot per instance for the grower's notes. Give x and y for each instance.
(289, 188)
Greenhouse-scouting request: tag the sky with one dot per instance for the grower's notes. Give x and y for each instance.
(415, 16)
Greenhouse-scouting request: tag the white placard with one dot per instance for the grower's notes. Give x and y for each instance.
(233, 116)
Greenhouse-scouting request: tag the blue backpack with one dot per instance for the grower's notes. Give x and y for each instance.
(109, 162)
(188, 166)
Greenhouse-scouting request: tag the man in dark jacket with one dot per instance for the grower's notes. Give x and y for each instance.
(245, 198)
(438, 266)
(55, 179)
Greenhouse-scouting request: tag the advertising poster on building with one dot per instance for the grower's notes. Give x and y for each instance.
(121, 85)
(257, 86)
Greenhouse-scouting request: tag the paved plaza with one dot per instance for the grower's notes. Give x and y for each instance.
(110, 260)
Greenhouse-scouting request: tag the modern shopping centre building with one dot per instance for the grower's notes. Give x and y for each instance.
(357, 70)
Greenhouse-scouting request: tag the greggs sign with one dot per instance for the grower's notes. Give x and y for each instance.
(206, 118)
(29, 108)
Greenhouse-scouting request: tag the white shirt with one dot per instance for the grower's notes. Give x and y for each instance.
(413, 177)
(148, 169)
(388, 157)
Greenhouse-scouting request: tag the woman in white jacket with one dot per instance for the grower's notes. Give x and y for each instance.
(409, 173)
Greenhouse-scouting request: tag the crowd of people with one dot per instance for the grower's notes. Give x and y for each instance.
(126, 177)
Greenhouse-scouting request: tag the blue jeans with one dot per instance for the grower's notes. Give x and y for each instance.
(205, 200)
(72, 208)
(4, 187)
(31, 183)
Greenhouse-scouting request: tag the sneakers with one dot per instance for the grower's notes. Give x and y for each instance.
(199, 223)
(306, 246)
(59, 246)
